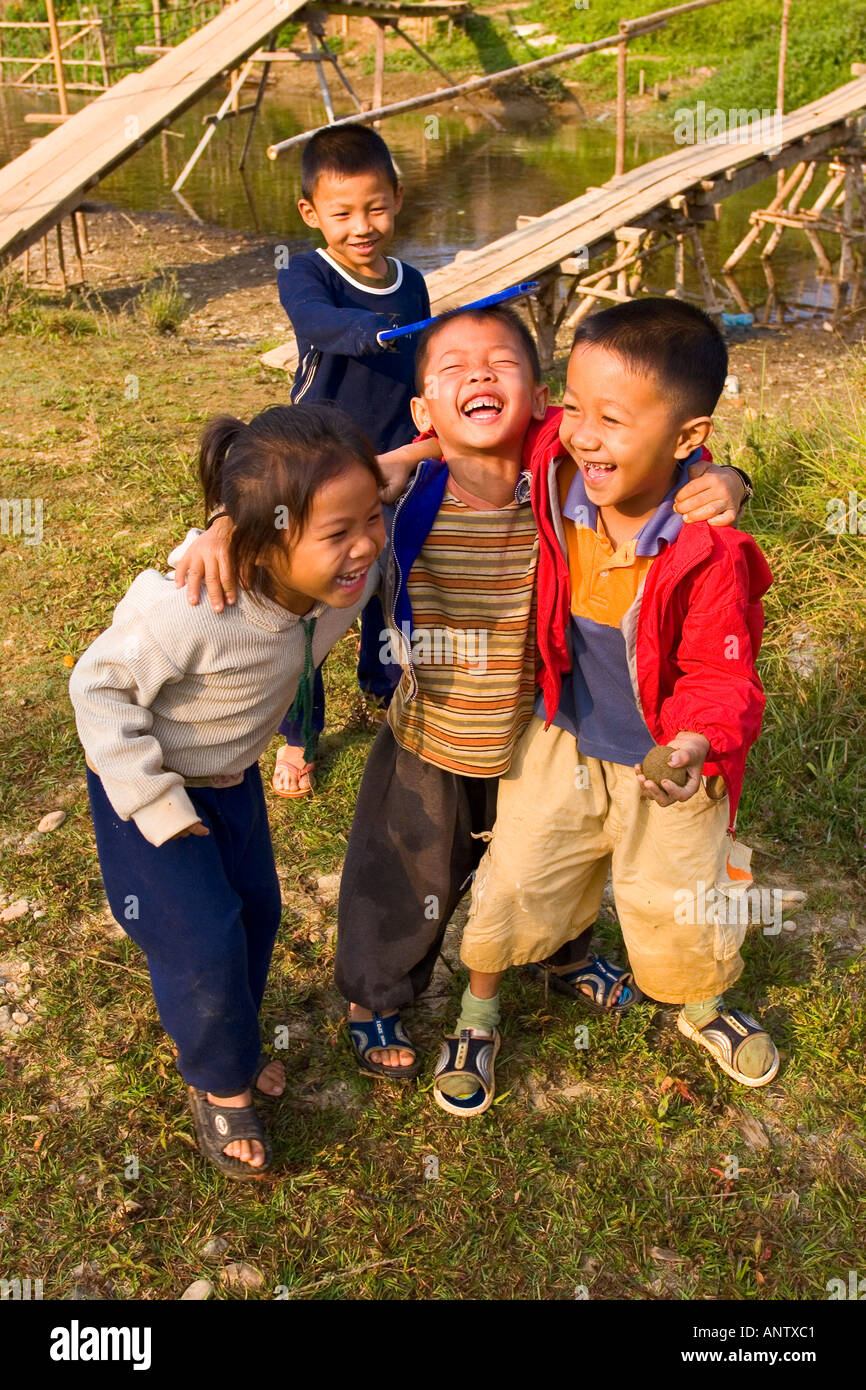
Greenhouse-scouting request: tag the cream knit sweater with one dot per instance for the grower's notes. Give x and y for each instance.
(172, 692)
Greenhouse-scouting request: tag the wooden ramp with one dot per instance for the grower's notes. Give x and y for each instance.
(50, 179)
(706, 172)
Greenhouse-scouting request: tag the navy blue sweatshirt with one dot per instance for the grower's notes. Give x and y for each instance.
(336, 321)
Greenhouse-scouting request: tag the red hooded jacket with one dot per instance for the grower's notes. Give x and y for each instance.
(692, 635)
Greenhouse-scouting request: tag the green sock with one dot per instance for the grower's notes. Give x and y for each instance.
(482, 1015)
(756, 1057)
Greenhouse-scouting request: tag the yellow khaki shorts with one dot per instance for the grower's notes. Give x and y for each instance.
(562, 821)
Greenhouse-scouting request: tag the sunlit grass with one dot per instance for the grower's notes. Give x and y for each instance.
(585, 1168)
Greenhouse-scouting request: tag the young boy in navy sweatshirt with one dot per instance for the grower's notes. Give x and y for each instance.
(339, 298)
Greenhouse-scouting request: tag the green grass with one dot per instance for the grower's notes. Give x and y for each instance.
(162, 306)
(588, 1166)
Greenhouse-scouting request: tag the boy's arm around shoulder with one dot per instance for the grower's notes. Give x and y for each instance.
(111, 688)
(719, 693)
(306, 296)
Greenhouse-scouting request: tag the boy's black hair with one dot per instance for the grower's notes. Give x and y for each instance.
(499, 314)
(266, 474)
(666, 338)
(344, 152)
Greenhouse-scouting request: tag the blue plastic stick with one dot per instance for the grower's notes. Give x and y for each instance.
(516, 292)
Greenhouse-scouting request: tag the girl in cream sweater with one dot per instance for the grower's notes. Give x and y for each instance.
(174, 704)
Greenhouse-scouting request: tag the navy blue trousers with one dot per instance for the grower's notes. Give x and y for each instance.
(205, 911)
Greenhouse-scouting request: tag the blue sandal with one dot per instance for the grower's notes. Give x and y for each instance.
(367, 1037)
(466, 1055)
(601, 976)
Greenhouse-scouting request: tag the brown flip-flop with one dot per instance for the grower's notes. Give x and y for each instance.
(307, 771)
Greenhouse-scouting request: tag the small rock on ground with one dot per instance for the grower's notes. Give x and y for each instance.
(213, 1248)
(14, 911)
(51, 821)
(243, 1276)
(197, 1291)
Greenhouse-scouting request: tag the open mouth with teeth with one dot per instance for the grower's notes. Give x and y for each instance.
(597, 472)
(353, 580)
(482, 409)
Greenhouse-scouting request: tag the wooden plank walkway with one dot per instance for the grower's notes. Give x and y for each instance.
(625, 200)
(50, 179)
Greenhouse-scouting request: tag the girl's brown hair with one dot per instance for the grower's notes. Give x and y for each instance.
(266, 474)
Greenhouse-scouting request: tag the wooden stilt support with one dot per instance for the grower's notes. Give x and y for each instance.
(320, 73)
(211, 128)
(76, 245)
(81, 223)
(315, 24)
(379, 66)
(263, 81)
(705, 279)
(542, 307)
(736, 293)
(60, 257)
(680, 267)
(846, 258)
(476, 105)
(754, 232)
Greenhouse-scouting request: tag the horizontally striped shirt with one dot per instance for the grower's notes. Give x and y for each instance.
(472, 591)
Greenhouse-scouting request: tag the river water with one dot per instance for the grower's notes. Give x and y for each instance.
(465, 182)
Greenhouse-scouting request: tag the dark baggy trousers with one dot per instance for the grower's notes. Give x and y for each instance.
(205, 912)
(410, 859)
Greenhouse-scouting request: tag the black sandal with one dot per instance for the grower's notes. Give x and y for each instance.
(216, 1126)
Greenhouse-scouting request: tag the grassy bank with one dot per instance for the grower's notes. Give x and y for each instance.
(601, 1168)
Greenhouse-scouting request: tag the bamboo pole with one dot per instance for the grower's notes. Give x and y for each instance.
(58, 58)
(379, 69)
(621, 103)
(780, 82)
(103, 56)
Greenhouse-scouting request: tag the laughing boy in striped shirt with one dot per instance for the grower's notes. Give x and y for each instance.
(460, 605)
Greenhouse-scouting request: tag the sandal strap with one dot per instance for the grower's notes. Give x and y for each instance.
(229, 1123)
(379, 1032)
(603, 977)
(463, 1052)
(729, 1032)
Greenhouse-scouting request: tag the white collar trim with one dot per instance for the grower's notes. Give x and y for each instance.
(335, 265)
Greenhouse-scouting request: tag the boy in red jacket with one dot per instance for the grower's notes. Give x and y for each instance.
(663, 623)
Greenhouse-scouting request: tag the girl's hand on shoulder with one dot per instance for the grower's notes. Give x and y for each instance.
(713, 494)
(195, 829)
(208, 559)
(691, 753)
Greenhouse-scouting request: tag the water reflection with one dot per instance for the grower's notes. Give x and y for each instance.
(466, 184)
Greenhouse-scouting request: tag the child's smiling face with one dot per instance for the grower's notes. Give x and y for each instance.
(356, 217)
(479, 393)
(331, 558)
(625, 435)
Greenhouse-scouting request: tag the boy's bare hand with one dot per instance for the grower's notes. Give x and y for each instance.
(713, 494)
(692, 750)
(208, 559)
